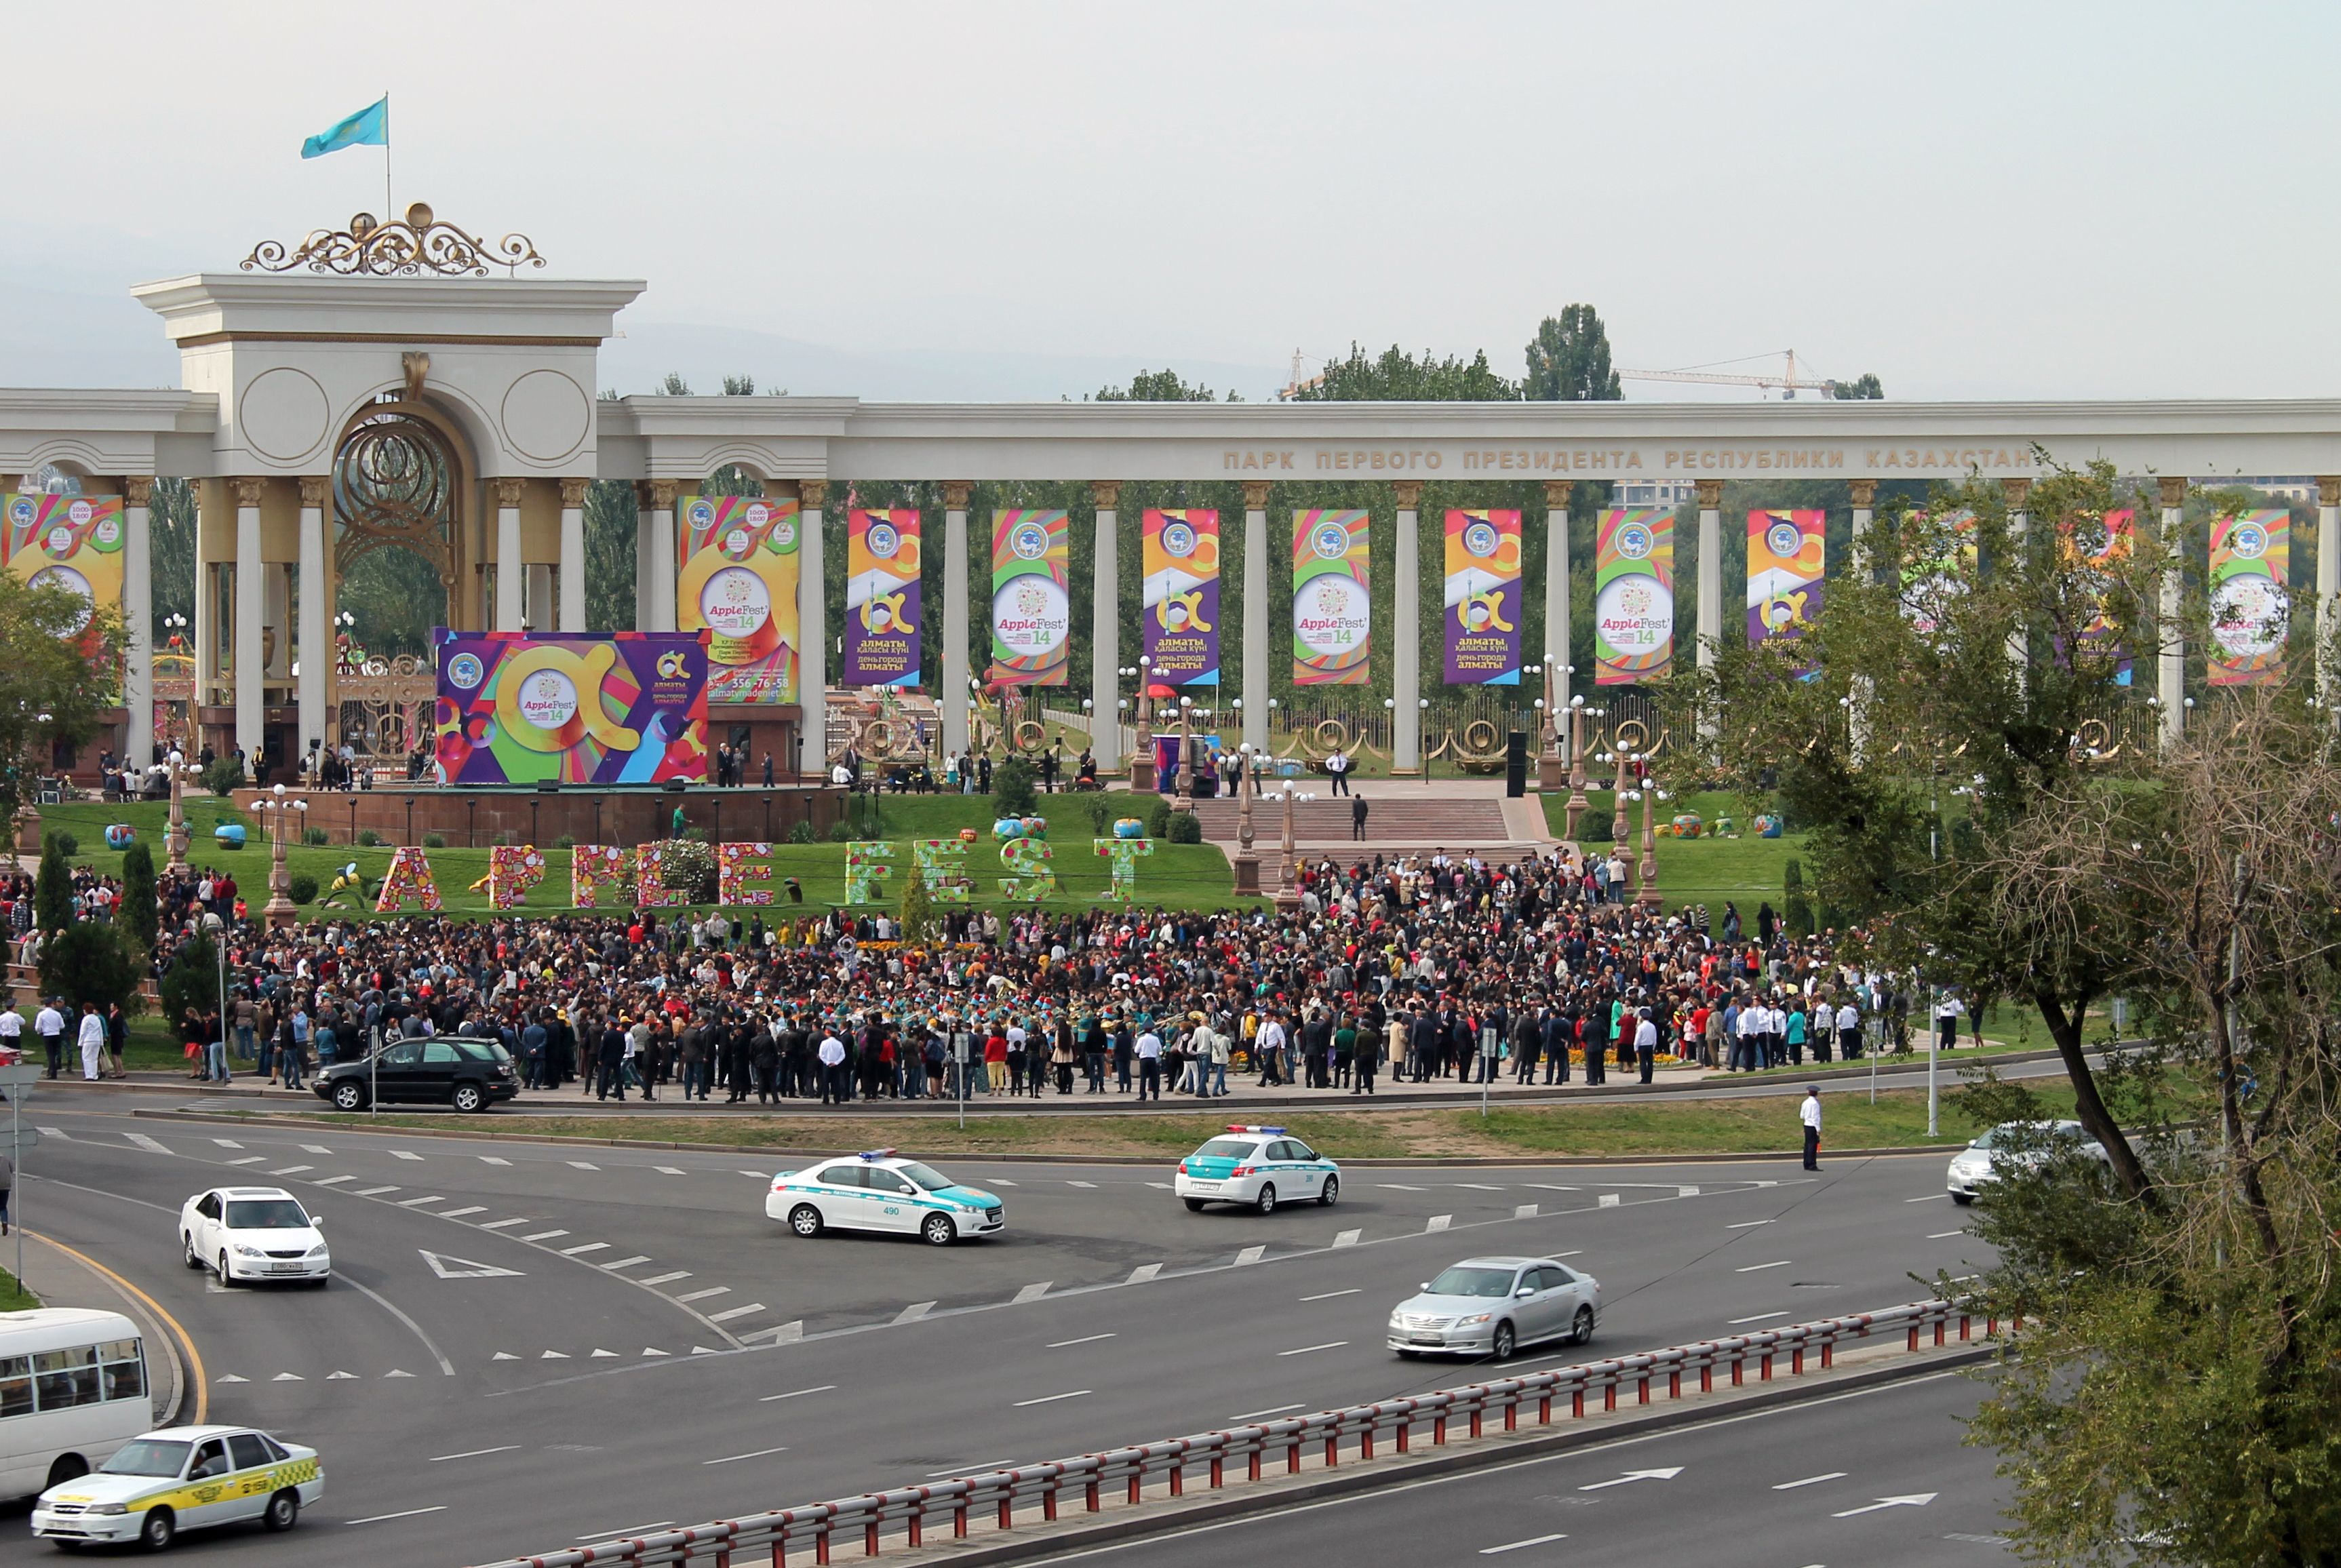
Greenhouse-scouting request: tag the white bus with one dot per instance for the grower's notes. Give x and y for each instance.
(73, 1388)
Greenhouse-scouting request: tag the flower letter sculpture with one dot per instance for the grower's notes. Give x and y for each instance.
(1124, 853)
(409, 879)
(737, 866)
(1029, 858)
(595, 869)
(868, 868)
(513, 870)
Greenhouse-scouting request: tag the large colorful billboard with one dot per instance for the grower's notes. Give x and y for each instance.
(586, 707)
(1032, 598)
(1332, 608)
(2102, 554)
(1931, 586)
(883, 604)
(1483, 598)
(2251, 612)
(736, 579)
(1634, 595)
(68, 542)
(1179, 560)
(1784, 573)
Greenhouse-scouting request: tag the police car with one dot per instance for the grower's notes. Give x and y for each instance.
(1258, 1166)
(875, 1190)
(182, 1478)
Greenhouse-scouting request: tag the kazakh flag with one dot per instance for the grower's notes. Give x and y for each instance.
(369, 127)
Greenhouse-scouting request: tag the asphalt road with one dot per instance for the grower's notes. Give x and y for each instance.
(529, 1347)
(1868, 1477)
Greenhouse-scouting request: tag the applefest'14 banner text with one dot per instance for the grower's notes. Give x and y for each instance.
(1784, 573)
(2251, 612)
(1483, 598)
(736, 578)
(1333, 608)
(1032, 598)
(585, 707)
(1178, 557)
(881, 597)
(1634, 595)
(67, 541)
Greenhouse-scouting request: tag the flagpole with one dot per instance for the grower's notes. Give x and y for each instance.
(388, 214)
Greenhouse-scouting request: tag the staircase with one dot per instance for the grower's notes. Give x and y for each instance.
(1393, 819)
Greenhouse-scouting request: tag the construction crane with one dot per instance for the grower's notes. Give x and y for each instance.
(1789, 382)
(1296, 386)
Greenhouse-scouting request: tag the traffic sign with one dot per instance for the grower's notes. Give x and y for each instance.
(19, 1072)
(18, 1141)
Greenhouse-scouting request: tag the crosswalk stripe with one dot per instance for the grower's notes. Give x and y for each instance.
(543, 1236)
(914, 1312)
(493, 1159)
(314, 1148)
(584, 1165)
(735, 1312)
(404, 1154)
(1250, 1256)
(412, 1203)
(1033, 1292)
(666, 1279)
(255, 1159)
(584, 1247)
(334, 1180)
(669, 1170)
(500, 1224)
(1142, 1272)
(703, 1295)
(372, 1192)
(628, 1263)
(459, 1214)
(153, 1145)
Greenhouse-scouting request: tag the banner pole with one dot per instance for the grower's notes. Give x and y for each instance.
(388, 213)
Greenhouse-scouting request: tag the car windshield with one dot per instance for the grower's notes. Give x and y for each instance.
(1224, 1149)
(927, 1176)
(266, 1214)
(1470, 1282)
(146, 1456)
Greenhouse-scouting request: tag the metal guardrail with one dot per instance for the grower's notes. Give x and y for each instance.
(1389, 1425)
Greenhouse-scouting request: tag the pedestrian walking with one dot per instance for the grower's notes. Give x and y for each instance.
(92, 1040)
(1810, 1113)
(1358, 818)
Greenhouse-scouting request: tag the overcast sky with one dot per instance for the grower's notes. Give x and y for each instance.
(1007, 200)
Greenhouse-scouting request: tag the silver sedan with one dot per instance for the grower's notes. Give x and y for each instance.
(1494, 1306)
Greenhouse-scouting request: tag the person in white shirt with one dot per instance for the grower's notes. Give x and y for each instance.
(1150, 1062)
(12, 1029)
(1645, 1044)
(1270, 1047)
(92, 1040)
(1810, 1114)
(1848, 1030)
(50, 1026)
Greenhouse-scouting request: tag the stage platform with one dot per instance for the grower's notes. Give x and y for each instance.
(476, 816)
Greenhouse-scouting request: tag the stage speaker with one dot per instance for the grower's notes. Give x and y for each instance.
(1516, 763)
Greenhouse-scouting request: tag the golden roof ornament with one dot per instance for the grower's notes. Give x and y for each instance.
(417, 246)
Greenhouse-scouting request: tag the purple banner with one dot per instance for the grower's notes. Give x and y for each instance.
(881, 598)
(1179, 554)
(1483, 598)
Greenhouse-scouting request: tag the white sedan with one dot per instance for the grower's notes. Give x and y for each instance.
(249, 1233)
(2016, 1145)
(182, 1478)
(876, 1191)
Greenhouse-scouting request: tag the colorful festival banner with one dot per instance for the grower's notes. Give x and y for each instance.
(586, 707)
(1032, 598)
(737, 866)
(1179, 556)
(882, 607)
(1784, 574)
(2251, 612)
(2107, 555)
(1634, 595)
(1929, 588)
(68, 542)
(736, 579)
(595, 869)
(1332, 606)
(1483, 598)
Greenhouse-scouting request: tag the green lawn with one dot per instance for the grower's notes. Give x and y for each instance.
(1747, 870)
(14, 1296)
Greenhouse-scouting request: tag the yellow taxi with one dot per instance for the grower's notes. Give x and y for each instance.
(182, 1478)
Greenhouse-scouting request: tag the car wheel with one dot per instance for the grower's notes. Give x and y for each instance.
(1580, 1330)
(68, 1467)
(1963, 1199)
(283, 1510)
(1505, 1342)
(349, 1094)
(1409, 1355)
(1196, 1204)
(1332, 1193)
(1265, 1202)
(160, 1527)
(469, 1098)
(226, 1278)
(937, 1231)
(187, 1245)
(805, 1220)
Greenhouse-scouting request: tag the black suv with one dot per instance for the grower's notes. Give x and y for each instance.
(441, 1070)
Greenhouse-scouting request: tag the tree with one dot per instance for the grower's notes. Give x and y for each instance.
(141, 912)
(1158, 386)
(739, 386)
(1569, 360)
(92, 960)
(190, 984)
(52, 887)
(1864, 385)
(170, 543)
(611, 520)
(918, 910)
(1395, 375)
(673, 385)
(63, 670)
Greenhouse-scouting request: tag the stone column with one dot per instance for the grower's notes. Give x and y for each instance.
(1865, 500)
(1105, 630)
(662, 493)
(138, 612)
(1552, 763)
(511, 573)
(316, 642)
(812, 632)
(1710, 570)
(2019, 525)
(1255, 655)
(573, 555)
(2170, 636)
(250, 715)
(2328, 588)
(1406, 633)
(645, 577)
(954, 694)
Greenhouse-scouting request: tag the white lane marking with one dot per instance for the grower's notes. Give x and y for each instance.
(670, 1170)
(291, 1170)
(789, 1332)
(471, 1453)
(227, 1142)
(554, 1356)
(1570, 1253)
(493, 1159)
(1397, 1188)
(1914, 1500)
(1165, 1186)
(1759, 1317)
(314, 1148)
(334, 1180)
(1142, 1272)
(1250, 1256)
(1085, 1339)
(1002, 1182)
(503, 1355)
(583, 1166)
(371, 1191)
(1607, 1200)
(338, 1376)
(1810, 1481)
(255, 1159)
(1524, 1210)
(1050, 1398)
(651, 1350)
(1686, 1191)
(459, 1214)
(666, 1279)
(1250, 1416)
(153, 1145)
(1759, 1268)
(500, 1224)
(1551, 1187)
(411, 1202)
(583, 1247)
(733, 1458)
(799, 1392)
(543, 1236)
(914, 1312)
(1929, 1198)
(1477, 1186)
(1744, 1224)
(1304, 1350)
(1516, 1545)
(448, 1268)
(402, 1513)
(52, 1132)
(703, 1295)
(394, 1372)
(1938, 1235)
(759, 1176)
(288, 1377)
(1329, 1295)
(1091, 1184)
(1348, 1238)
(404, 1154)
(988, 1465)
(1439, 1222)
(630, 1532)
(1634, 1475)
(1033, 1293)
(627, 1263)
(735, 1312)
(600, 1355)
(230, 1377)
